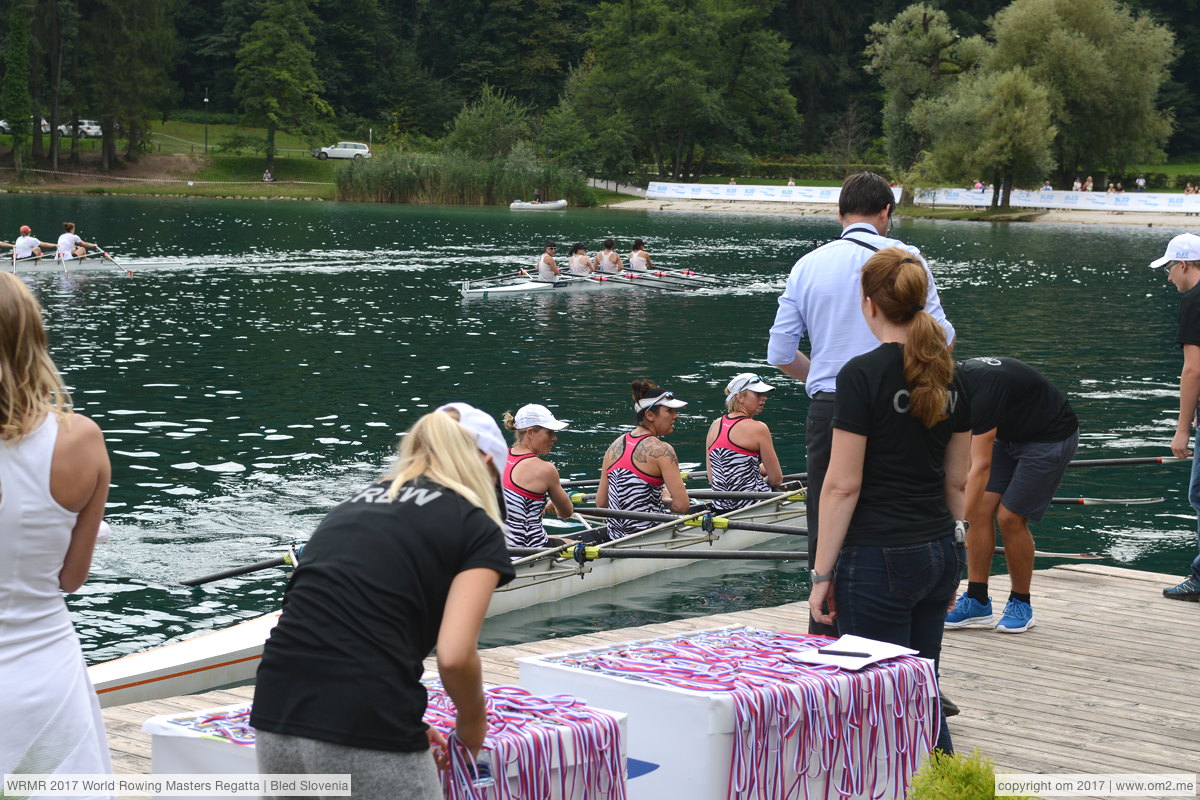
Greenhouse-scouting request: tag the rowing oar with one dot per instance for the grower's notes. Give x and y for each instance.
(104, 254)
(1105, 501)
(498, 277)
(661, 278)
(705, 521)
(1111, 462)
(651, 283)
(706, 277)
(708, 494)
(288, 559)
(1047, 554)
(686, 475)
(590, 553)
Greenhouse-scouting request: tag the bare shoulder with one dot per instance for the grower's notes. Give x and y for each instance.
(652, 449)
(614, 450)
(76, 430)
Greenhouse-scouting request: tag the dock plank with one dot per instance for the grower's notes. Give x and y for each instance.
(1104, 683)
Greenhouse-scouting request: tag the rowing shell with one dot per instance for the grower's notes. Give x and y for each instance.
(231, 655)
(97, 263)
(670, 280)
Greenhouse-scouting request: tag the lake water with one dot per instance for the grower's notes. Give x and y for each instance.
(256, 369)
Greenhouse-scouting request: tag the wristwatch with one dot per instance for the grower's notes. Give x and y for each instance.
(961, 526)
(819, 578)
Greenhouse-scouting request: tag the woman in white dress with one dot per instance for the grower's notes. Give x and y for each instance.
(54, 475)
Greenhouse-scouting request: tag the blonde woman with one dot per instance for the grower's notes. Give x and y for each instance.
(408, 563)
(54, 475)
(530, 481)
(740, 452)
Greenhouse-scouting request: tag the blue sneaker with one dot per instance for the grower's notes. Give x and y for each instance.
(970, 613)
(1188, 590)
(1017, 617)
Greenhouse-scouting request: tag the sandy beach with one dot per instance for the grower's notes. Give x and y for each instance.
(1170, 221)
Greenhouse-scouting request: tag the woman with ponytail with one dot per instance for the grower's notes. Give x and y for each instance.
(407, 563)
(890, 553)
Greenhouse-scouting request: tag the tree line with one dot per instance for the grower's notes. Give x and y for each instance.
(608, 85)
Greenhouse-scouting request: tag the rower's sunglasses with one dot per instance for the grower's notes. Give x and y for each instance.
(663, 396)
(1167, 267)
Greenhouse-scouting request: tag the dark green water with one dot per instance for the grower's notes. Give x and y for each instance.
(246, 384)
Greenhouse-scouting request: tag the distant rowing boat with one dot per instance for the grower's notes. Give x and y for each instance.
(101, 262)
(231, 655)
(553, 205)
(663, 280)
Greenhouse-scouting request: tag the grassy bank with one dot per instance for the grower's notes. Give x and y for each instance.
(457, 180)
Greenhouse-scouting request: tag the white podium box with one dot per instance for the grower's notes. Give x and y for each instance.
(544, 755)
(741, 732)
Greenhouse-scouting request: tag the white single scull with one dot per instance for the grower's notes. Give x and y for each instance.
(552, 205)
(231, 655)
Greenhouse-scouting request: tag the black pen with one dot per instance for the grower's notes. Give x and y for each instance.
(825, 652)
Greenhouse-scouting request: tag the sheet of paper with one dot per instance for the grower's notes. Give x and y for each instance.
(874, 651)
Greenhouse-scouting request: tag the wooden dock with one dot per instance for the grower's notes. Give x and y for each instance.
(1105, 683)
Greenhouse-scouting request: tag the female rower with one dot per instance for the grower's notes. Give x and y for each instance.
(528, 480)
(741, 456)
(890, 552)
(547, 269)
(54, 477)
(405, 564)
(580, 264)
(639, 259)
(640, 464)
(609, 260)
(70, 245)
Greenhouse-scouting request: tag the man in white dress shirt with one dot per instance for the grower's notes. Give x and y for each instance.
(823, 301)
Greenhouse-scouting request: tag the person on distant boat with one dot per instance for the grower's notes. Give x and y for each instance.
(890, 552)
(639, 466)
(609, 260)
(537, 196)
(639, 259)
(580, 263)
(27, 245)
(529, 480)
(54, 478)
(547, 268)
(70, 245)
(741, 456)
(407, 563)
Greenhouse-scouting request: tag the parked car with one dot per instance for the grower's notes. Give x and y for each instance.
(355, 150)
(4, 128)
(88, 129)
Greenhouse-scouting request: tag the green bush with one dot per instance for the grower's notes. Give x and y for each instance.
(238, 143)
(956, 777)
(459, 180)
(1182, 180)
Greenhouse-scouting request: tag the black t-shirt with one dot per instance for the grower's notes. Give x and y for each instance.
(903, 495)
(1015, 398)
(1189, 317)
(362, 611)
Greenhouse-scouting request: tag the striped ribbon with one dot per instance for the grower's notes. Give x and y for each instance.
(531, 738)
(864, 732)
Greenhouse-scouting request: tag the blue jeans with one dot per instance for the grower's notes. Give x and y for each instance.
(900, 595)
(1194, 499)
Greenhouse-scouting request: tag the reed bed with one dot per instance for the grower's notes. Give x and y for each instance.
(456, 180)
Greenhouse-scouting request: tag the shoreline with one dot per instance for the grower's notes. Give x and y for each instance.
(1137, 218)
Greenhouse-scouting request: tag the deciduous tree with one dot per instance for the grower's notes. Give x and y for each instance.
(14, 92)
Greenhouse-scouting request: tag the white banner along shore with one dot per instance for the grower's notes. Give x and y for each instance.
(1158, 202)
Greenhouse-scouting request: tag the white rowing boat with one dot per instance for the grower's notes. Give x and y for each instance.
(553, 205)
(663, 280)
(231, 655)
(100, 262)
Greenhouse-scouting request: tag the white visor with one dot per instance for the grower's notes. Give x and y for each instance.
(747, 381)
(666, 399)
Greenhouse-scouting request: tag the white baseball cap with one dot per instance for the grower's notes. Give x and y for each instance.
(1184, 247)
(747, 380)
(487, 434)
(537, 415)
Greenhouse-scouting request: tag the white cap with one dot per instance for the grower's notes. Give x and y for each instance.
(535, 414)
(666, 399)
(1184, 247)
(747, 380)
(487, 434)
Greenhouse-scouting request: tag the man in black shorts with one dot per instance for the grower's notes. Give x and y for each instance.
(1024, 434)
(1182, 263)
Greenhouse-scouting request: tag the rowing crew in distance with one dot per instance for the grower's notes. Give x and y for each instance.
(607, 261)
(27, 251)
(639, 471)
